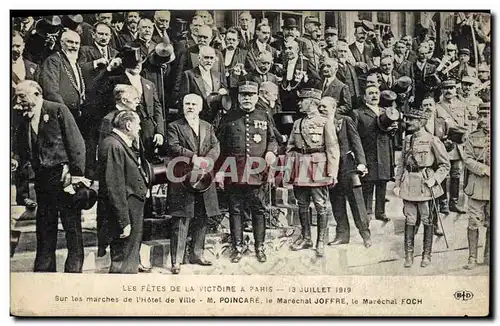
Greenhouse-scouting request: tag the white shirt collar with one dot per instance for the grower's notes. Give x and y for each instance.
(360, 45)
(260, 45)
(124, 137)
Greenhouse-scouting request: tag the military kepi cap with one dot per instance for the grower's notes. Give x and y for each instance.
(484, 108)
(464, 51)
(417, 113)
(449, 83)
(311, 19)
(248, 87)
(310, 93)
(331, 30)
(468, 80)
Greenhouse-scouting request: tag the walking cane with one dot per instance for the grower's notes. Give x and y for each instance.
(437, 212)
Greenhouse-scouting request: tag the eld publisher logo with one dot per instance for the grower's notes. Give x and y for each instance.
(463, 295)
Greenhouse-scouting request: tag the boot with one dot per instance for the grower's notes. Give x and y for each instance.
(426, 255)
(304, 242)
(320, 243)
(409, 244)
(438, 231)
(486, 259)
(261, 255)
(443, 200)
(454, 191)
(473, 238)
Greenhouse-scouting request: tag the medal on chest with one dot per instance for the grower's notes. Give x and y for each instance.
(257, 138)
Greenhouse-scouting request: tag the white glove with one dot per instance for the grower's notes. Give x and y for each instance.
(158, 139)
(126, 232)
(396, 191)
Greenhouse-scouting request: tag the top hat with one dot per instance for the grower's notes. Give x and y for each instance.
(310, 93)
(131, 56)
(218, 102)
(310, 19)
(417, 113)
(84, 198)
(387, 98)
(456, 134)
(367, 25)
(48, 25)
(464, 51)
(71, 21)
(284, 121)
(248, 87)
(164, 52)
(290, 23)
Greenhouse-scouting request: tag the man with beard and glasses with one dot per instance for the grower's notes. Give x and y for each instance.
(346, 72)
(421, 168)
(331, 86)
(246, 139)
(62, 77)
(259, 45)
(129, 32)
(161, 27)
(451, 114)
(314, 150)
(48, 139)
(377, 145)
(477, 160)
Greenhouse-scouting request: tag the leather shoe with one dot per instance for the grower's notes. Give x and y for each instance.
(176, 269)
(261, 256)
(338, 241)
(143, 269)
(382, 218)
(200, 261)
(367, 242)
(301, 244)
(236, 257)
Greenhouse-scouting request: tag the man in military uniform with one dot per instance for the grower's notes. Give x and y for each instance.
(451, 113)
(418, 182)
(247, 139)
(484, 76)
(470, 100)
(352, 160)
(477, 163)
(308, 42)
(314, 147)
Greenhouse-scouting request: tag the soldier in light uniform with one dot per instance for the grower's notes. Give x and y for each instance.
(313, 145)
(477, 184)
(471, 101)
(451, 113)
(421, 168)
(246, 136)
(309, 43)
(484, 77)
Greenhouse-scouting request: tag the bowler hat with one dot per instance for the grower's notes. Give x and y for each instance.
(464, 51)
(84, 198)
(387, 98)
(164, 52)
(310, 93)
(387, 36)
(417, 113)
(290, 23)
(402, 85)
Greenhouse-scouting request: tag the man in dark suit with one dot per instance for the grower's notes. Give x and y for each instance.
(189, 58)
(144, 37)
(161, 27)
(377, 146)
(401, 64)
(298, 73)
(352, 160)
(346, 73)
(25, 26)
(45, 39)
(22, 69)
(150, 111)
(259, 45)
(203, 81)
(234, 61)
(362, 52)
(99, 53)
(190, 38)
(129, 32)
(290, 30)
(423, 75)
(332, 87)
(61, 76)
(245, 34)
(192, 139)
(122, 192)
(389, 76)
(50, 140)
(107, 18)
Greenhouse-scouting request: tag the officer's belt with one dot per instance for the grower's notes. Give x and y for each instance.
(416, 168)
(309, 150)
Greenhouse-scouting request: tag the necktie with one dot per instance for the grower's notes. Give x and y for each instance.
(103, 52)
(389, 81)
(325, 85)
(264, 77)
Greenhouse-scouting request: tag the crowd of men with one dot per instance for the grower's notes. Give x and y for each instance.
(98, 102)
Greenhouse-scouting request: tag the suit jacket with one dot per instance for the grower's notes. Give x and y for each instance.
(88, 54)
(124, 37)
(59, 140)
(253, 53)
(243, 42)
(366, 56)
(423, 81)
(182, 142)
(239, 56)
(58, 82)
(193, 83)
(347, 75)
(31, 73)
(403, 68)
(122, 187)
(157, 38)
(145, 49)
(351, 149)
(189, 59)
(376, 143)
(258, 78)
(340, 92)
(384, 85)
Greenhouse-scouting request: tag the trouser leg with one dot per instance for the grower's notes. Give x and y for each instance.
(320, 199)
(380, 193)
(303, 196)
(235, 206)
(71, 219)
(368, 196)
(178, 239)
(339, 209)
